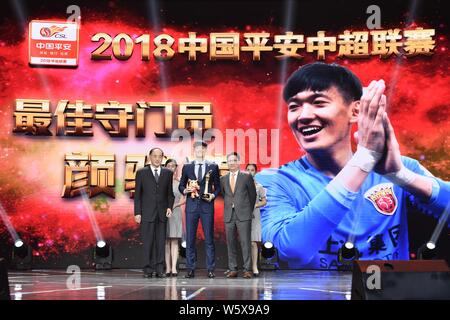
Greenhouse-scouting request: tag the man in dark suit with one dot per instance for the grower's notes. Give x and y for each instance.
(200, 207)
(239, 193)
(153, 202)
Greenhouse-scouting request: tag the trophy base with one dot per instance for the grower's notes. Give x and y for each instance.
(206, 196)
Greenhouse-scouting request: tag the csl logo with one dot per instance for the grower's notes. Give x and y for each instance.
(52, 31)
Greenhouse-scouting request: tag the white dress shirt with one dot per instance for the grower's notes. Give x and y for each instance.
(158, 169)
(198, 167)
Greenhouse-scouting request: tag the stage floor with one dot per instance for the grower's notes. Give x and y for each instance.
(128, 284)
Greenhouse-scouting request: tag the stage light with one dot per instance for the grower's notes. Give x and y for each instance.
(427, 251)
(182, 255)
(346, 255)
(22, 255)
(101, 244)
(268, 257)
(431, 246)
(103, 256)
(268, 250)
(349, 245)
(268, 245)
(349, 252)
(18, 243)
(182, 249)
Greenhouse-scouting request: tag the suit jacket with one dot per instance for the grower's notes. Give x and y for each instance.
(243, 198)
(197, 204)
(152, 199)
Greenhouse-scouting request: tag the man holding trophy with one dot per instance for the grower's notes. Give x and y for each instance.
(200, 182)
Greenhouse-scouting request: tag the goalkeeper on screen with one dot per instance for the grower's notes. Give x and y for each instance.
(331, 194)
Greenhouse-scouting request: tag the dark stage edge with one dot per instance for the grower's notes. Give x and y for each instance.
(129, 284)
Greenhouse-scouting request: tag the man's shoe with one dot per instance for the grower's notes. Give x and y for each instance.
(148, 275)
(211, 274)
(160, 275)
(247, 275)
(232, 274)
(190, 274)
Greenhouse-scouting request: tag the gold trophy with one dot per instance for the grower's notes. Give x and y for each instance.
(194, 184)
(207, 196)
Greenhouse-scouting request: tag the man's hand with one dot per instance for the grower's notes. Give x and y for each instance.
(392, 168)
(138, 218)
(370, 136)
(168, 213)
(371, 132)
(391, 160)
(189, 190)
(211, 197)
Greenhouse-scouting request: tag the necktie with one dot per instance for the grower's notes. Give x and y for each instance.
(233, 182)
(200, 171)
(156, 175)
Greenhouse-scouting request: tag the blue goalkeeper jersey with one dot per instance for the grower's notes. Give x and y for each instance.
(308, 218)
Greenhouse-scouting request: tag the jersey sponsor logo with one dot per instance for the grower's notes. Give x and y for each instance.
(383, 198)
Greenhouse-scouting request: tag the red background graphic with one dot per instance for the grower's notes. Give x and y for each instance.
(244, 94)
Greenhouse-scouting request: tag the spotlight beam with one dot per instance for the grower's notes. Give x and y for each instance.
(288, 16)
(92, 219)
(399, 60)
(440, 226)
(156, 26)
(356, 220)
(428, 250)
(8, 224)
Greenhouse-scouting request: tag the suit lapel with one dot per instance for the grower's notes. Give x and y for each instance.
(238, 179)
(200, 179)
(205, 170)
(227, 183)
(161, 173)
(193, 169)
(195, 172)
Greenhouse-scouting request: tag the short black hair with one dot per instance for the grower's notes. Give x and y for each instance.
(200, 143)
(252, 164)
(319, 76)
(234, 153)
(156, 148)
(169, 161)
